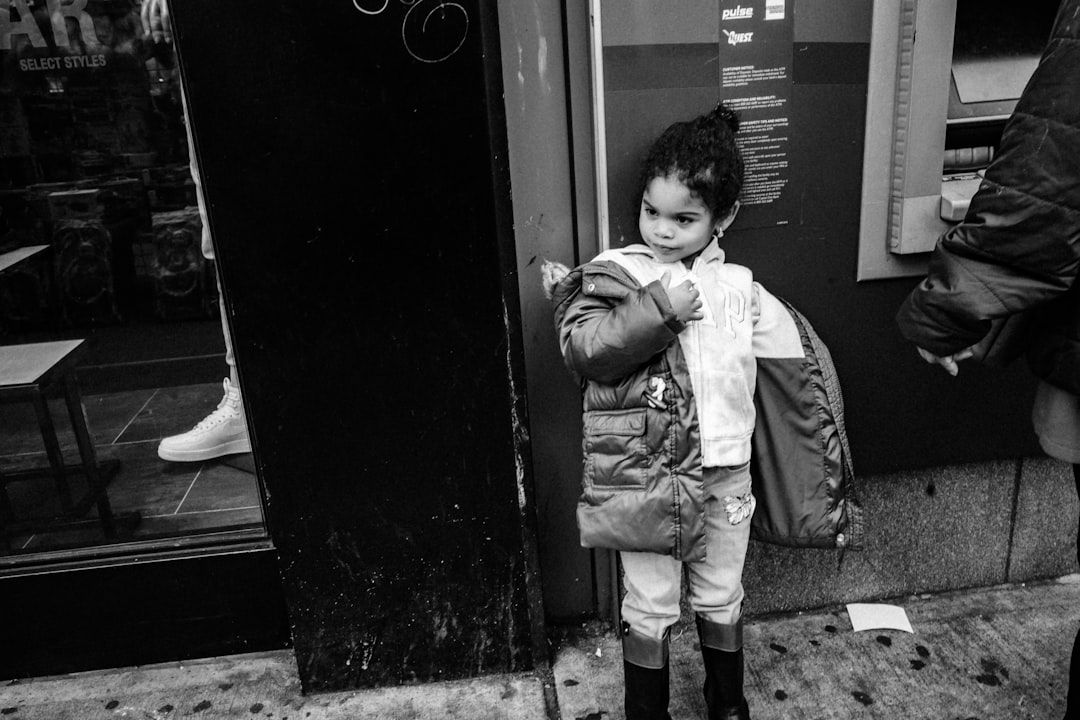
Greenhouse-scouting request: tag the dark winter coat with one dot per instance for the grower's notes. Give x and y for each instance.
(642, 466)
(1016, 255)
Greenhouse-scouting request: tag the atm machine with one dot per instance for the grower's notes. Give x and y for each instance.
(935, 112)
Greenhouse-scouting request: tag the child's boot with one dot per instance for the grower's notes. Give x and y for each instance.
(721, 648)
(645, 674)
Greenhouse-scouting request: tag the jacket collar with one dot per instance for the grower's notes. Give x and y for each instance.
(711, 253)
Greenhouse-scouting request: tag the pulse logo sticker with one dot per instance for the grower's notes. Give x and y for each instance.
(737, 38)
(738, 13)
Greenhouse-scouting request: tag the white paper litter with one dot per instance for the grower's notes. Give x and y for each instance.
(877, 616)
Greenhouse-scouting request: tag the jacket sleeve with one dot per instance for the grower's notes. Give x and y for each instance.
(1019, 245)
(605, 337)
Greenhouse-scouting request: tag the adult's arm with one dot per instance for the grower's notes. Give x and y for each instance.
(1019, 245)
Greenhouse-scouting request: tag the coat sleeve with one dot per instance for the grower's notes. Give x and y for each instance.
(1019, 245)
(605, 336)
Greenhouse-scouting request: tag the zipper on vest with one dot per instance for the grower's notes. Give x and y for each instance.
(673, 456)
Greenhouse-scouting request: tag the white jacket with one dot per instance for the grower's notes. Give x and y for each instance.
(721, 349)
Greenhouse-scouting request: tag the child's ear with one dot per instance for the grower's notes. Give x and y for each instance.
(726, 222)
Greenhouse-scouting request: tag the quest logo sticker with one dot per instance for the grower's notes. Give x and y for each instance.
(738, 38)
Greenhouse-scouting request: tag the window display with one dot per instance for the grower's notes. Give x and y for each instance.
(101, 249)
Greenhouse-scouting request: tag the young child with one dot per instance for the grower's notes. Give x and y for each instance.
(662, 335)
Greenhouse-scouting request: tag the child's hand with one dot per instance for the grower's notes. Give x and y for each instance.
(685, 300)
(949, 362)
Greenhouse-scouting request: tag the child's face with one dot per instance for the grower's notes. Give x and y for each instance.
(674, 222)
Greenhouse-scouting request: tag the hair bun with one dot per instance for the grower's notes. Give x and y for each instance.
(723, 114)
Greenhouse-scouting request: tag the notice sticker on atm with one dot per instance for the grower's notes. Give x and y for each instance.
(755, 58)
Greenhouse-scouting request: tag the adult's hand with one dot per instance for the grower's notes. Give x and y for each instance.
(155, 20)
(949, 362)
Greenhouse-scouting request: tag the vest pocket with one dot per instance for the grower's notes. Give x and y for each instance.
(731, 406)
(616, 455)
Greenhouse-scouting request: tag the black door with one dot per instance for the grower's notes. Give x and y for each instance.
(353, 155)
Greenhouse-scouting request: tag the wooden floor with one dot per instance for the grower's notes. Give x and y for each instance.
(993, 654)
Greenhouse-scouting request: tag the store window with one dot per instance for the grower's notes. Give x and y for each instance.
(109, 308)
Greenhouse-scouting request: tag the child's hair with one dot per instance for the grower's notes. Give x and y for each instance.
(701, 153)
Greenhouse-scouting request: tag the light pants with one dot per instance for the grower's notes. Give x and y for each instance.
(207, 242)
(230, 359)
(654, 581)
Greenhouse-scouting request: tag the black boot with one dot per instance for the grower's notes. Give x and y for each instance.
(645, 674)
(721, 648)
(1072, 705)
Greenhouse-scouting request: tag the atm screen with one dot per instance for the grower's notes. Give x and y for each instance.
(996, 47)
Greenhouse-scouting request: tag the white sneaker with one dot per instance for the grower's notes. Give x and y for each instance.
(222, 432)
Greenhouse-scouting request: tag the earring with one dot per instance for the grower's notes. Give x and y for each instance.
(717, 233)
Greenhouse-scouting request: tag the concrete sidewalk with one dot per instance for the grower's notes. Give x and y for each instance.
(257, 686)
(990, 653)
